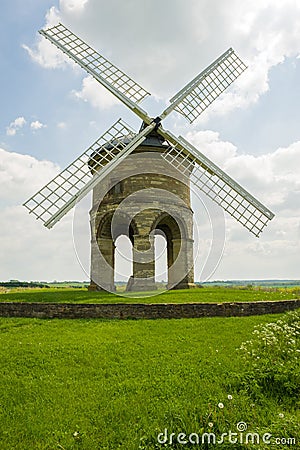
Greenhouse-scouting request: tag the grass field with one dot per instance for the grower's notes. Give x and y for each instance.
(206, 294)
(94, 384)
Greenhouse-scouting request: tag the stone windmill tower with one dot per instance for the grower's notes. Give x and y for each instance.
(157, 201)
(141, 180)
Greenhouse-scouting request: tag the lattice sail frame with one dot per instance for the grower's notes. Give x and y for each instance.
(58, 196)
(217, 185)
(196, 96)
(110, 76)
(54, 200)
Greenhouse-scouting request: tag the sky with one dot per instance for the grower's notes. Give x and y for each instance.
(52, 111)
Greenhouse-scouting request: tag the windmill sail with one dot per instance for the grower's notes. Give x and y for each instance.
(216, 184)
(55, 199)
(114, 79)
(197, 95)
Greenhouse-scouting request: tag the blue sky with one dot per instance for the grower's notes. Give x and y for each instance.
(51, 112)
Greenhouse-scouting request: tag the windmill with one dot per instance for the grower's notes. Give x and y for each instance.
(110, 153)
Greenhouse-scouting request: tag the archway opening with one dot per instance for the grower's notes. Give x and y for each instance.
(171, 231)
(161, 258)
(123, 260)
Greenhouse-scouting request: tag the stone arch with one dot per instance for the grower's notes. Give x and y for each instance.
(179, 250)
(169, 228)
(103, 248)
(104, 227)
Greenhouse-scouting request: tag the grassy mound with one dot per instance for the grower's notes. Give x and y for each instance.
(206, 294)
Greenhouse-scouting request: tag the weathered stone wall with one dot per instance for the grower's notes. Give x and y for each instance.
(144, 311)
(139, 195)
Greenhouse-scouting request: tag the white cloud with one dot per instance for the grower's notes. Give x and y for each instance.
(209, 143)
(45, 53)
(22, 175)
(73, 6)
(95, 94)
(10, 131)
(62, 125)
(263, 33)
(28, 249)
(14, 126)
(37, 125)
(20, 122)
(272, 178)
(246, 90)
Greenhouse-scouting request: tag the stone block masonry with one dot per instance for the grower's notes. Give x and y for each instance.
(145, 196)
(144, 310)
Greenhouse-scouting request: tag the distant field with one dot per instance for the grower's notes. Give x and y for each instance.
(109, 385)
(206, 294)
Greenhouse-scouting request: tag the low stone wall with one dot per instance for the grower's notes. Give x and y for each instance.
(143, 310)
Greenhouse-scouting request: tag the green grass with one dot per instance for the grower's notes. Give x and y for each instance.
(206, 294)
(119, 383)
